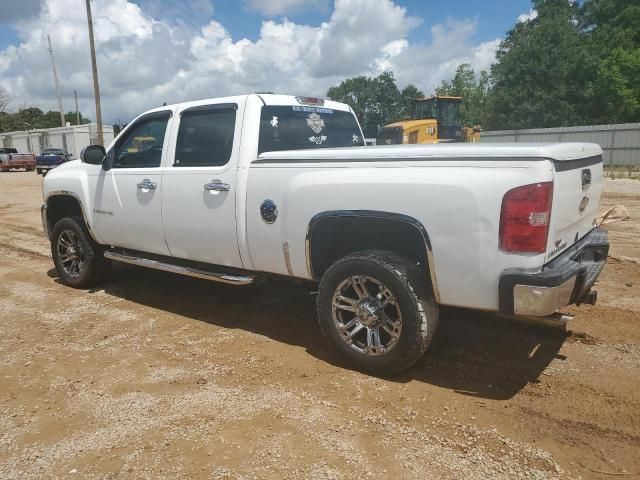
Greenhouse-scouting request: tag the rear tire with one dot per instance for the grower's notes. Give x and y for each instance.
(79, 260)
(38, 171)
(377, 291)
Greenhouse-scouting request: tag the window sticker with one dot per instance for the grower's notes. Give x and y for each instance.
(318, 140)
(356, 138)
(315, 122)
(328, 111)
(274, 122)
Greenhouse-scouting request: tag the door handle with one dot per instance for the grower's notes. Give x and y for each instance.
(147, 184)
(217, 186)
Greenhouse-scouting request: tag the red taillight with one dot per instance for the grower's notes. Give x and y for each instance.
(524, 218)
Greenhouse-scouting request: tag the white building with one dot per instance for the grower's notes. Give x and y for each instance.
(72, 138)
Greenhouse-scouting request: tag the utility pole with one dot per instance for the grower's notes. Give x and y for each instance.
(94, 67)
(75, 94)
(55, 78)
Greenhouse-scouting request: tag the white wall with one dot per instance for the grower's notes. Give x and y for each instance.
(77, 137)
(620, 142)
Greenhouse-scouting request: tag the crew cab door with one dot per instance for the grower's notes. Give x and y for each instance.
(199, 198)
(128, 198)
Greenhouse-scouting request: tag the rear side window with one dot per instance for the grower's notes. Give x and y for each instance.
(300, 127)
(205, 136)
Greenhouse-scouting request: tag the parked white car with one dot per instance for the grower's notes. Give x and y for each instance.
(237, 188)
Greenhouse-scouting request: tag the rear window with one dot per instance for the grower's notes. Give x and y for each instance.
(300, 128)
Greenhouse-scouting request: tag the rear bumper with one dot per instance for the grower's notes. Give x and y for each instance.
(565, 280)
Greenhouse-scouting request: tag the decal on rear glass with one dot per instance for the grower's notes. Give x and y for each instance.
(328, 111)
(315, 122)
(318, 140)
(274, 122)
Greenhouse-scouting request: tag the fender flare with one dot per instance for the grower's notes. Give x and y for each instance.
(76, 197)
(316, 219)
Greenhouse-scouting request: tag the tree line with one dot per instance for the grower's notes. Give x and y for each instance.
(575, 63)
(30, 118)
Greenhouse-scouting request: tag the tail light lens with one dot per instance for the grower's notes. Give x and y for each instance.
(524, 218)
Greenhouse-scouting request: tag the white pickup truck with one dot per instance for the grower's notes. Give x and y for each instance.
(238, 188)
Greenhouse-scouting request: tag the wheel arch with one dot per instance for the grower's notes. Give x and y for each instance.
(61, 204)
(366, 230)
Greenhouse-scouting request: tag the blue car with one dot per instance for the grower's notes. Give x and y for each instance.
(50, 158)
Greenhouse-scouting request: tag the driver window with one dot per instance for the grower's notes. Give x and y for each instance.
(142, 146)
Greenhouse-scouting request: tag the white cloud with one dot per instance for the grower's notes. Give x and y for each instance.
(532, 14)
(175, 11)
(12, 10)
(274, 8)
(144, 60)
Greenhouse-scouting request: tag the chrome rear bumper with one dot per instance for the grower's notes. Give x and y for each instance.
(565, 280)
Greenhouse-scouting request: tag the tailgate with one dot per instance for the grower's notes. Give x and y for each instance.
(576, 198)
(22, 159)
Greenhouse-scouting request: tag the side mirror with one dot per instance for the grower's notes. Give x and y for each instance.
(93, 154)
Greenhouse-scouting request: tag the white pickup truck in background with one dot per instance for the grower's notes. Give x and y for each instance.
(236, 188)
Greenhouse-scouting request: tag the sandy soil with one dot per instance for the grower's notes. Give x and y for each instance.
(158, 376)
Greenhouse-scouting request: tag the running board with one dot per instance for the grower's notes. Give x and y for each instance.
(189, 271)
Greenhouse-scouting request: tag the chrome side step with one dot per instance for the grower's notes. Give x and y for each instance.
(169, 267)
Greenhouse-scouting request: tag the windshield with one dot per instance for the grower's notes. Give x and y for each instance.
(300, 128)
(423, 109)
(449, 111)
(53, 151)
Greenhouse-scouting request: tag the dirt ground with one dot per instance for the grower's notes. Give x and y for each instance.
(155, 376)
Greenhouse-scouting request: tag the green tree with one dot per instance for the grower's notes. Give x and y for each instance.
(544, 70)
(614, 30)
(73, 120)
(29, 118)
(375, 101)
(475, 93)
(408, 95)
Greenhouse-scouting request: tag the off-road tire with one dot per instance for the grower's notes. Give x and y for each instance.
(96, 267)
(414, 297)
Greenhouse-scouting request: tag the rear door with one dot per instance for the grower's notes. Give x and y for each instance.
(576, 197)
(199, 200)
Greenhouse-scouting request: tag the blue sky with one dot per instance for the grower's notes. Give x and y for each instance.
(494, 18)
(155, 51)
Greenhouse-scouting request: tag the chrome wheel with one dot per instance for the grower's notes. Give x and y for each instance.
(70, 253)
(366, 315)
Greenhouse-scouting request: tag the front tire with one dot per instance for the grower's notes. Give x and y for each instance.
(79, 260)
(377, 310)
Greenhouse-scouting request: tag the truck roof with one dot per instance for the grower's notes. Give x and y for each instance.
(552, 151)
(267, 99)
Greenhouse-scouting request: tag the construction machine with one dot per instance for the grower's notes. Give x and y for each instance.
(433, 120)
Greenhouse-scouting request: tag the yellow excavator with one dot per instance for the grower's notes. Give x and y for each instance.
(433, 120)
